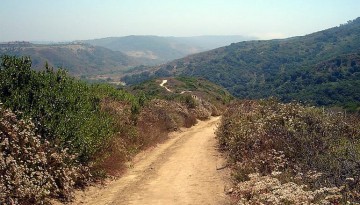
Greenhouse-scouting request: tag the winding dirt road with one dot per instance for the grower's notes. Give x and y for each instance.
(186, 169)
(162, 84)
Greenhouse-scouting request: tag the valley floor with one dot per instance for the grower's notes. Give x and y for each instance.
(186, 169)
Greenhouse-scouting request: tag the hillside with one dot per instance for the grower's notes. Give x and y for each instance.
(58, 133)
(192, 91)
(322, 68)
(77, 58)
(152, 50)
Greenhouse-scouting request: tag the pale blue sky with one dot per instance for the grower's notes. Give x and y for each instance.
(65, 20)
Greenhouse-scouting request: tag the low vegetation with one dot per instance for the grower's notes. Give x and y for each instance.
(153, 50)
(31, 168)
(289, 153)
(63, 109)
(200, 96)
(58, 133)
(78, 58)
(321, 69)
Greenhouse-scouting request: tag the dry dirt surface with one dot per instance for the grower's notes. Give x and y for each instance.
(186, 169)
(162, 84)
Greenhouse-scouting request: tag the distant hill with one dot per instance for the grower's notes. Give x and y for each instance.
(77, 58)
(322, 68)
(182, 86)
(156, 49)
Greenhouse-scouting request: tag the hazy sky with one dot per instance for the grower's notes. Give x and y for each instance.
(64, 20)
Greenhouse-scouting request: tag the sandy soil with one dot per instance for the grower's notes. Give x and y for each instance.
(186, 169)
(162, 84)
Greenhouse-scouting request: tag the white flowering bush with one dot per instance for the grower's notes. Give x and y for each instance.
(31, 169)
(300, 144)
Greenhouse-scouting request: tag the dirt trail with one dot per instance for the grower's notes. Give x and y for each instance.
(183, 170)
(162, 84)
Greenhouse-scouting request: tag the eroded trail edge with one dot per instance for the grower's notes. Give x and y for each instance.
(183, 170)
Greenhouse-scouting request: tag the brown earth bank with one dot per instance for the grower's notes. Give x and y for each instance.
(186, 169)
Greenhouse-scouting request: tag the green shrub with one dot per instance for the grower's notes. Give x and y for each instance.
(81, 124)
(189, 101)
(268, 136)
(32, 169)
(63, 109)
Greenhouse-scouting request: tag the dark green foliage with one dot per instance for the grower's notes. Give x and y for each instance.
(189, 101)
(197, 96)
(182, 87)
(63, 109)
(321, 68)
(95, 125)
(137, 78)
